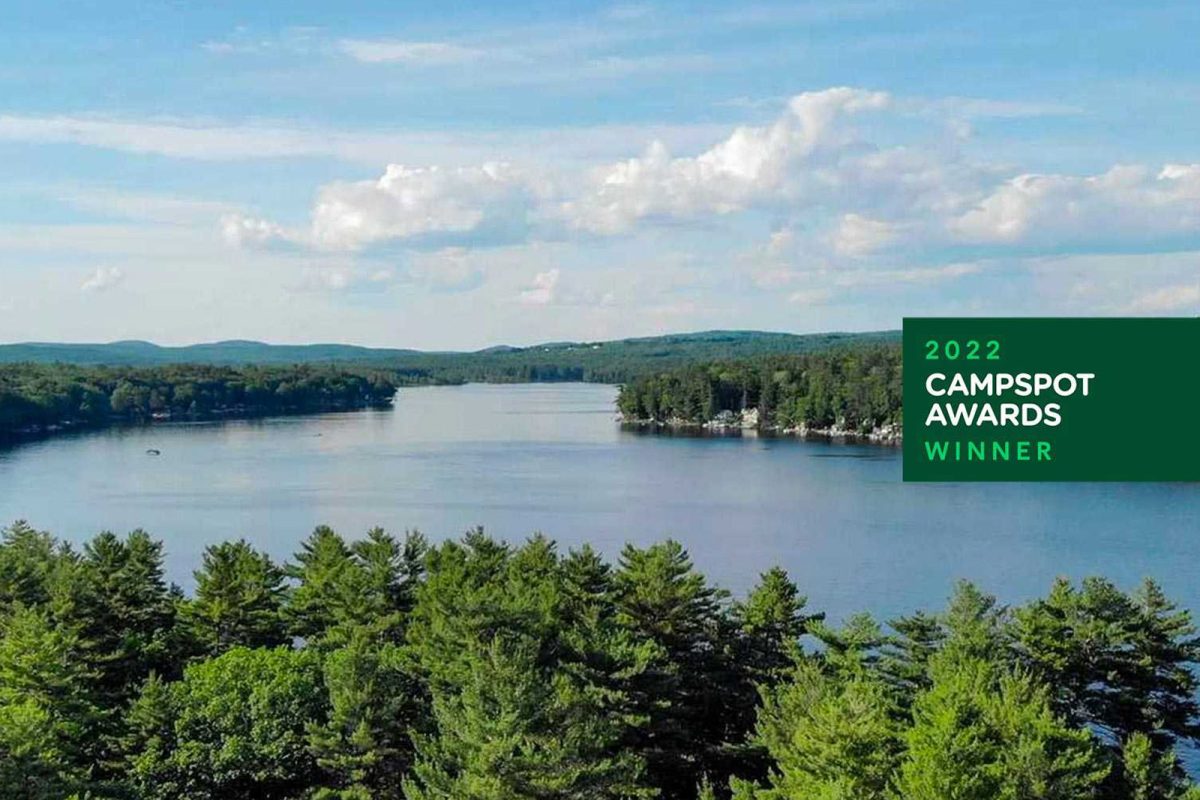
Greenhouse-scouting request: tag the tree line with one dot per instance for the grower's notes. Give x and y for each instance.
(389, 667)
(596, 362)
(37, 397)
(857, 389)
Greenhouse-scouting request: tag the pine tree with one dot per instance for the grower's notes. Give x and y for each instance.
(833, 738)
(1120, 664)
(487, 614)
(852, 649)
(124, 612)
(27, 560)
(47, 716)
(373, 703)
(149, 741)
(515, 731)
(393, 569)
(769, 622)
(906, 653)
(238, 598)
(690, 691)
(320, 598)
(983, 732)
(772, 620)
(1147, 775)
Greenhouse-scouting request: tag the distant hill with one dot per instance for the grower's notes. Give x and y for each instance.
(606, 361)
(144, 354)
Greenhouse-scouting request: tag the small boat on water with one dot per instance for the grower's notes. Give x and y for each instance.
(153, 452)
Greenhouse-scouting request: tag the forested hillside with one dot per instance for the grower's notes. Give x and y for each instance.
(36, 397)
(601, 362)
(392, 668)
(815, 379)
(854, 388)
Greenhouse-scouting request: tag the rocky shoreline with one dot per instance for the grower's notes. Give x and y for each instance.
(728, 422)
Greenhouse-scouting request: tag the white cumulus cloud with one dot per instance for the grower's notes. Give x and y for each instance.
(1126, 202)
(411, 201)
(753, 164)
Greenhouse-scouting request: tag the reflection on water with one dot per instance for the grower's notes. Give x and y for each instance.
(552, 458)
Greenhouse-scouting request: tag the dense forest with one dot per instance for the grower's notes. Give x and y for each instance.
(38, 397)
(598, 362)
(857, 389)
(474, 670)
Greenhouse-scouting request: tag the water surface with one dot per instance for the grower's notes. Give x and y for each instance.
(551, 458)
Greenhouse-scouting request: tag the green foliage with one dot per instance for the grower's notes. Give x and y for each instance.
(529, 674)
(983, 732)
(1148, 775)
(518, 730)
(855, 388)
(374, 703)
(47, 717)
(341, 587)
(829, 738)
(38, 397)
(239, 596)
(238, 728)
(383, 668)
(1120, 664)
(602, 362)
(45, 387)
(772, 620)
(666, 603)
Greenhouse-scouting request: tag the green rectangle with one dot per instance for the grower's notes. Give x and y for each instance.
(1136, 422)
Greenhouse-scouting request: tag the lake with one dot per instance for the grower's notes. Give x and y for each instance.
(552, 458)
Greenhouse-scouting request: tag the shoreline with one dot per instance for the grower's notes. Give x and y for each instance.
(67, 427)
(730, 423)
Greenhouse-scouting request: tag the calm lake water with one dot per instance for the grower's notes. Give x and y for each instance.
(551, 458)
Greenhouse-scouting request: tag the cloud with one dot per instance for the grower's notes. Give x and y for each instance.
(858, 236)
(241, 231)
(103, 279)
(345, 279)
(408, 202)
(1168, 299)
(177, 139)
(494, 200)
(294, 40)
(541, 291)
(836, 197)
(753, 165)
(1126, 203)
(393, 51)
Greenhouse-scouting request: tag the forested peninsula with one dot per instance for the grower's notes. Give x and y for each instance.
(42, 398)
(394, 668)
(847, 392)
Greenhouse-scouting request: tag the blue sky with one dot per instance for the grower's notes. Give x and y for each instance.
(457, 175)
